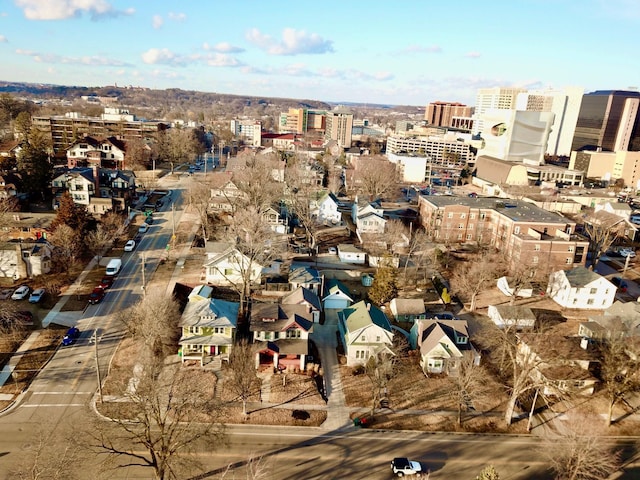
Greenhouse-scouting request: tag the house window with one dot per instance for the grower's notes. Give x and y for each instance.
(569, 261)
(516, 230)
(537, 247)
(575, 300)
(463, 215)
(472, 216)
(470, 226)
(459, 236)
(590, 301)
(293, 333)
(469, 236)
(460, 226)
(228, 271)
(378, 338)
(483, 216)
(461, 340)
(571, 249)
(593, 291)
(363, 338)
(194, 330)
(534, 260)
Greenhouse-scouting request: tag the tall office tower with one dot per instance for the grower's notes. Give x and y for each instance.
(339, 123)
(500, 98)
(608, 121)
(301, 120)
(565, 105)
(441, 114)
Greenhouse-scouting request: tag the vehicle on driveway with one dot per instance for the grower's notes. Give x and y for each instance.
(72, 335)
(627, 252)
(20, 293)
(106, 282)
(130, 246)
(402, 466)
(333, 250)
(6, 293)
(36, 295)
(96, 296)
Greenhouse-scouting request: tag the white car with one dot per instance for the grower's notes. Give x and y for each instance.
(143, 228)
(130, 246)
(403, 466)
(20, 293)
(333, 250)
(36, 295)
(627, 252)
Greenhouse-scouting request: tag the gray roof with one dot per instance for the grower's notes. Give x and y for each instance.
(210, 313)
(517, 312)
(273, 317)
(581, 276)
(300, 295)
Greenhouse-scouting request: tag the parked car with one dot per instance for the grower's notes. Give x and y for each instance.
(333, 250)
(72, 335)
(6, 293)
(36, 295)
(25, 317)
(130, 246)
(106, 282)
(627, 252)
(402, 466)
(20, 293)
(143, 228)
(620, 283)
(149, 220)
(96, 296)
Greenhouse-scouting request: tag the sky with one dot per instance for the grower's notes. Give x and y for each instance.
(374, 51)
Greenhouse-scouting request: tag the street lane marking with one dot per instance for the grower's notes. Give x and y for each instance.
(63, 393)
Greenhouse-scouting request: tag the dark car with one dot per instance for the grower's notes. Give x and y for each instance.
(106, 282)
(620, 283)
(149, 220)
(96, 296)
(72, 335)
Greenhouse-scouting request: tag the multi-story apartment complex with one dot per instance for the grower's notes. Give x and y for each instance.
(442, 113)
(529, 236)
(497, 98)
(302, 120)
(249, 131)
(339, 123)
(114, 122)
(608, 166)
(608, 120)
(565, 105)
(444, 148)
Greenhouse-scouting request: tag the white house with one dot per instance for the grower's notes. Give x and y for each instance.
(336, 295)
(517, 317)
(325, 209)
(274, 220)
(225, 265)
(80, 182)
(581, 288)
(365, 331)
(348, 253)
(25, 259)
(367, 217)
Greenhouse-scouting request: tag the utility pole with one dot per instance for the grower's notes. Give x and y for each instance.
(94, 338)
(173, 223)
(144, 283)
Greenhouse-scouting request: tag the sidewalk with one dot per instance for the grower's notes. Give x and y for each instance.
(8, 369)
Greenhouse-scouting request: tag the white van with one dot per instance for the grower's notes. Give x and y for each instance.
(114, 266)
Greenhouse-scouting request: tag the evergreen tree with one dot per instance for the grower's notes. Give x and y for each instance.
(384, 287)
(73, 215)
(488, 473)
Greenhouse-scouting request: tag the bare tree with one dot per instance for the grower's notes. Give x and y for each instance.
(417, 243)
(469, 281)
(619, 372)
(199, 199)
(66, 247)
(98, 240)
(467, 384)
(166, 414)
(379, 369)
(7, 207)
(301, 190)
(260, 181)
(603, 229)
(375, 177)
(579, 452)
(241, 375)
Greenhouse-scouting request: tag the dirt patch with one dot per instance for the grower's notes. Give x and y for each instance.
(295, 388)
(272, 416)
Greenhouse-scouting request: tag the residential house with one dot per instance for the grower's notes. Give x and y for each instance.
(325, 209)
(620, 320)
(26, 226)
(304, 296)
(200, 292)
(560, 364)
(367, 217)
(10, 184)
(107, 152)
(407, 309)
(274, 220)
(365, 331)
(119, 186)
(614, 221)
(25, 259)
(282, 333)
(581, 288)
(348, 253)
(227, 266)
(442, 345)
(528, 235)
(208, 328)
(81, 183)
(10, 150)
(516, 317)
(336, 296)
(225, 195)
(307, 277)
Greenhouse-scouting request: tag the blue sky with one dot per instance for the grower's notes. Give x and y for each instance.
(374, 51)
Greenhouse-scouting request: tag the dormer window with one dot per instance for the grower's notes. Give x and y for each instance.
(461, 340)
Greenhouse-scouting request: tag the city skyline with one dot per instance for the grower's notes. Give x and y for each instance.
(407, 54)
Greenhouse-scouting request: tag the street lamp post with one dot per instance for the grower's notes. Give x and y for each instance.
(94, 339)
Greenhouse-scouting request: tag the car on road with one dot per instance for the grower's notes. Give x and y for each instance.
(402, 466)
(627, 252)
(143, 228)
(130, 246)
(149, 220)
(20, 293)
(620, 283)
(96, 296)
(71, 336)
(36, 295)
(106, 282)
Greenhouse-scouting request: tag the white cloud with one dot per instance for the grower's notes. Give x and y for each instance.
(157, 21)
(3, 39)
(222, 47)
(473, 55)
(177, 17)
(294, 42)
(221, 60)
(421, 49)
(164, 56)
(91, 60)
(63, 9)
